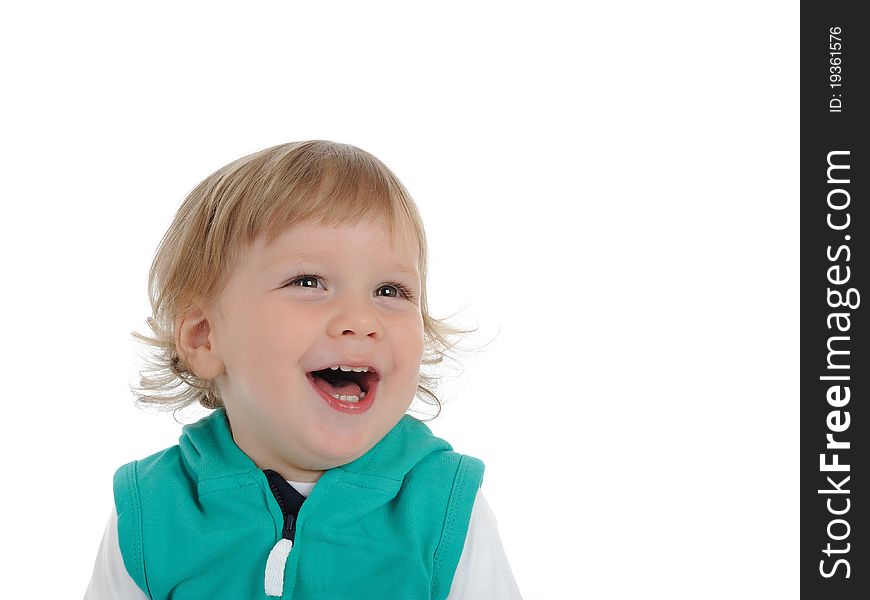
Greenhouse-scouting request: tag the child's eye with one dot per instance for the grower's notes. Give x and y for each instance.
(295, 280)
(401, 289)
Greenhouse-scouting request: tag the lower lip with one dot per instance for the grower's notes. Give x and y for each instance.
(347, 407)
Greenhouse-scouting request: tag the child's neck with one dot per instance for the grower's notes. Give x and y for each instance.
(291, 473)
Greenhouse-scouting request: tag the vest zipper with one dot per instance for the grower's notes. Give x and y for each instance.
(289, 530)
(290, 501)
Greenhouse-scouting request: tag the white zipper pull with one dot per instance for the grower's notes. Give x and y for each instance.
(275, 567)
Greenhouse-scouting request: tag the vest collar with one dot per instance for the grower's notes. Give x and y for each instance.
(209, 451)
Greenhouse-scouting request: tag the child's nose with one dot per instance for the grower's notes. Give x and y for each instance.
(356, 317)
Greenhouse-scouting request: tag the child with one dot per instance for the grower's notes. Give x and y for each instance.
(308, 480)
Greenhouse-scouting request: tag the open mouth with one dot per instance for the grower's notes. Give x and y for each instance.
(345, 386)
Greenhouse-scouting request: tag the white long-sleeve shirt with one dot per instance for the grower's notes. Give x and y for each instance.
(483, 572)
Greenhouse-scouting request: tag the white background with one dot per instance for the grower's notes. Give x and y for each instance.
(610, 191)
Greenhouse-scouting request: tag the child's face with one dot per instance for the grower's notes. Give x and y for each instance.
(268, 333)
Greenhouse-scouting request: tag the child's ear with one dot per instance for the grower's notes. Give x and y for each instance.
(194, 346)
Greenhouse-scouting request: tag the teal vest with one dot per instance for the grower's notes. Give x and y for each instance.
(198, 520)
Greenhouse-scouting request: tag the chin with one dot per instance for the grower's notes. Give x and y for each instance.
(342, 450)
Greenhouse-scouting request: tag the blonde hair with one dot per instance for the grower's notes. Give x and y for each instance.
(266, 193)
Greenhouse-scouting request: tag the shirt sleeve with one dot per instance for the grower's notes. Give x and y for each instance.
(110, 580)
(483, 572)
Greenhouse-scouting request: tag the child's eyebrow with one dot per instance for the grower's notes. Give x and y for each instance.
(282, 260)
(300, 256)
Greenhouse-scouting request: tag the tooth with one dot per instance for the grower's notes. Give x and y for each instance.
(343, 398)
(346, 368)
